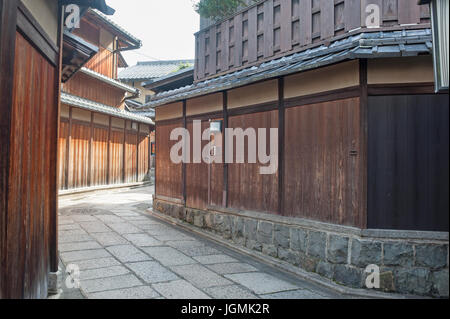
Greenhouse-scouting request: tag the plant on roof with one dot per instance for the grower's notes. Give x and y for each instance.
(182, 66)
(220, 9)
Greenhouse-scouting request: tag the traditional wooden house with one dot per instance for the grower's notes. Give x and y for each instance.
(31, 50)
(100, 142)
(363, 140)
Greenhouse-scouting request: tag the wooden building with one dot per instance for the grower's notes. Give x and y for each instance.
(100, 142)
(30, 70)
(363, 139)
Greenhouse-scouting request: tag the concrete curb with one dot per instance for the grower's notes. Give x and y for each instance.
(101, 188)
(284, 266)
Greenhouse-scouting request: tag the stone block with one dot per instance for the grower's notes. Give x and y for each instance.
(325, 269)
(338, 249)
(431, 256)
(413, 281)
(298, 240)
(348, 276)
(265, 233)
(317, 242)
(281, 236)
(398, 254)
(289, 256)
(269, 250)
(365, 253)
(440, 283)
(250, 228)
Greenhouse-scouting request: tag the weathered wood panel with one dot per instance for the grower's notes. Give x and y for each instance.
(143, 163)
(247, 188)
(131, 157)
(103, 63)
(92, 89)
(197, 174)
(99, 159)
(30, 196)
(168, 174)
(79, 156)
(116, 165)
(408, 165)
(291, 26)
(62, 142)
(321, 175)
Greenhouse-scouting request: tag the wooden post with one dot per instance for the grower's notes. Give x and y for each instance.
(68, 143)
(281, 118)
(54, 182)
(137, 151)
(225, 165)
(124, 157)
(362, 188)
(8, 20)
(183, 173)
(108, 164)
(90, 150)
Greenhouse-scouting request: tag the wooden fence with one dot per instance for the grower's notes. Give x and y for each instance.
(96, 149)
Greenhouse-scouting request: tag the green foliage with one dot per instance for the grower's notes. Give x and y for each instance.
(182, 66)
(219, 9)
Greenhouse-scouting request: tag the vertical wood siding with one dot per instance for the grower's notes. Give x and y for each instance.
(79, 156)
(143, 163)
(62, 142)
(99, 156)
(290, 26)
(408, 162)
(34, 110)
(131, 157)
(116, 168)
(103, 63)
(321, 179)
(168, 174)
(247, 188)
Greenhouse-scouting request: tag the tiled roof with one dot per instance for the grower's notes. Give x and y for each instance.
(170, 75)
(151, 70)
(365, 45)
(108, 80)
(116, 26)
(89, 105)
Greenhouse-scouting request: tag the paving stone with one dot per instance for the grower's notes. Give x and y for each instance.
(136, 219)
(193, 248)
(126, 214)
(103, 272)
(179, 289)
(65, 221)
(73, 238)
(95, 227)
(72, 226)
(214, 259)
(87, 245)
(152, 272)
(200, 276)
(109, 239)
(168, 256)
(110, 283)
(144, 292)
(231, 268)
(294, 294)
(230, 292)
(157, 229)
(261, 283)
(170, 236)
(128, 253)
(109, 218)
(73, 232)
(83, 218)
(142, 240)
(124, 228)
(73, 256)
(97, 263)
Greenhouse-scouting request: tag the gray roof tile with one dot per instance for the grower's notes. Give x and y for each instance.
(151, 70)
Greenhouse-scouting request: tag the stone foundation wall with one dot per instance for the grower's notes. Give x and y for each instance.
(407, 265)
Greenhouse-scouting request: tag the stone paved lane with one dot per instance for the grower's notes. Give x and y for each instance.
(122, 252)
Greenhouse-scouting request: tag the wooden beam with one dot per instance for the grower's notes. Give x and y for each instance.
(225, 165)
(281, 120)
(124, 156)
(183, 172)
(54, 179)
(68, 143)
(361, 185)
(91, 137)
(8, 20)
(137, 150)
(108, 163)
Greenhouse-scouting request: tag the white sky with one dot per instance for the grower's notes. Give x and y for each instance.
(166, 28)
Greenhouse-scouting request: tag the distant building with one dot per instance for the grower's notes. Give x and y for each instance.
(149, 71)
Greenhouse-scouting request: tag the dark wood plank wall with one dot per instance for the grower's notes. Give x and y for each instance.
(84, 86)
(168, 174)
(408, 162)
(247, 189)
(197, 174)
(30, 207)
(93, 154)
(321, 171)
(280, 27)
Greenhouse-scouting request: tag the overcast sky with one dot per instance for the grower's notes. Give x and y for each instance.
(166, 28)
